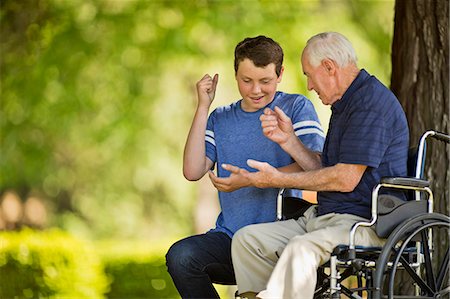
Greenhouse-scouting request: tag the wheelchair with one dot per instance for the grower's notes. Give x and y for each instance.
(409, 265)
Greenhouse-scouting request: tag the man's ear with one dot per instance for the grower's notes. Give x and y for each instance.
(281, 74)
(329, 66)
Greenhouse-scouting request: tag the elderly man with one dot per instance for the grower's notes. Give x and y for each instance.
(367, 139)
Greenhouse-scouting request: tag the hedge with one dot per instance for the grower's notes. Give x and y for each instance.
(139, 279)
(53, 264)
(49, 264)
(136, 270)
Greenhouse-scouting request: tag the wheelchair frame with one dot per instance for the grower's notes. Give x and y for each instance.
(409, 246)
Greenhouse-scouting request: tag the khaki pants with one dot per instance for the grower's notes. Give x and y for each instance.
(282, 258)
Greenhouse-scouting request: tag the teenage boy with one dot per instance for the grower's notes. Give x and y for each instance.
(232, 134)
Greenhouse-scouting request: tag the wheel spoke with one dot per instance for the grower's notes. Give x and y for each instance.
(431, 279)
(398, 255)
(422, 284)
(444, 293)
(443, 271)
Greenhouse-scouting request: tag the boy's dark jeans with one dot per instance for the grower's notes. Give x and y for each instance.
(198, 261)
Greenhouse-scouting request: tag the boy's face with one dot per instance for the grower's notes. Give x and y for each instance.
(257, 85)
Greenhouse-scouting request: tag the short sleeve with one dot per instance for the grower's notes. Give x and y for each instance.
(210, 142)
(306, 124)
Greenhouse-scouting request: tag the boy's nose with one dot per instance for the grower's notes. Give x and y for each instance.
(256, 88)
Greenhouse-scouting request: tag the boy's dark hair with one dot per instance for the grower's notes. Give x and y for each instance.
(261, 50)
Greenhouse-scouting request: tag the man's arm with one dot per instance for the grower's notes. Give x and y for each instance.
(340, 177)
(277, 126)
(239, 177)
(195, 161)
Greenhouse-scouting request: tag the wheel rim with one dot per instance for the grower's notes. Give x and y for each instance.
(409, 229)
(433, 284)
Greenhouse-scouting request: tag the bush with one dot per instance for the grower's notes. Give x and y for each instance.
(48, 264)
(53, 264)
(136, 270)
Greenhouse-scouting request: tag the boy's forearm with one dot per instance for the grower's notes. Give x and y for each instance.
(195, 164)
(305, 158)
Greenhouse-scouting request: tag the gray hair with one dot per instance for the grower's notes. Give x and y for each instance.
(330, 45)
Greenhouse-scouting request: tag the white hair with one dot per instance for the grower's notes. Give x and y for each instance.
(330, 45)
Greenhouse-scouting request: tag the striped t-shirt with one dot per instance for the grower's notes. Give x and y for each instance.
(233, 136)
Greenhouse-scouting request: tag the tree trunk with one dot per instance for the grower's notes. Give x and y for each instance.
(420, 79)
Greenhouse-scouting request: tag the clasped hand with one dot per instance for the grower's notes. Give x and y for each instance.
(206, 89)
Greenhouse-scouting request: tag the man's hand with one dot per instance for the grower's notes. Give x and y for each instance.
(237, 179)
(206, 89)
(277, 126)
(240, 177)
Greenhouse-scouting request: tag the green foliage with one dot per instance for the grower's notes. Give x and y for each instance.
(136, 269)
(53, 264)
(97, 96)
(142, 278)
(48, 264)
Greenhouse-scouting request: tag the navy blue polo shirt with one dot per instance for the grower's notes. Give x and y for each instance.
(368, 127)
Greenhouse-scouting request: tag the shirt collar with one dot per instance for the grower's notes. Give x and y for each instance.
(340, 104)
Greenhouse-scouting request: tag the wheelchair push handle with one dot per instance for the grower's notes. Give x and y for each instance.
(441, 136)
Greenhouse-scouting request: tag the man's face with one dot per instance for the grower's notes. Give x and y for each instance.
(257, 85)
(319, 80)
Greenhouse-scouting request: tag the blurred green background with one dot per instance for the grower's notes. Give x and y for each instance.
(97, 98)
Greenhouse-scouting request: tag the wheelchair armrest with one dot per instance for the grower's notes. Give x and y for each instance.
(289, 206)
(405, 181)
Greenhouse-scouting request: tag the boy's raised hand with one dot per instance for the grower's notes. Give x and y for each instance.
(206, 89)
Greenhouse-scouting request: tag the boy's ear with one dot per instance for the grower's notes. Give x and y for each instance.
(281, 74)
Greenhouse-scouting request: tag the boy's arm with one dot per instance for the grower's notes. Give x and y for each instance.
(195, 162)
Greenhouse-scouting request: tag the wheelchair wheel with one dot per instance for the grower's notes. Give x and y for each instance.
(414, 261)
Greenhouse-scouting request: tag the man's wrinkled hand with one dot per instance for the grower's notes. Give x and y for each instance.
(276, 125)
(266, 175)
(237, 179)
